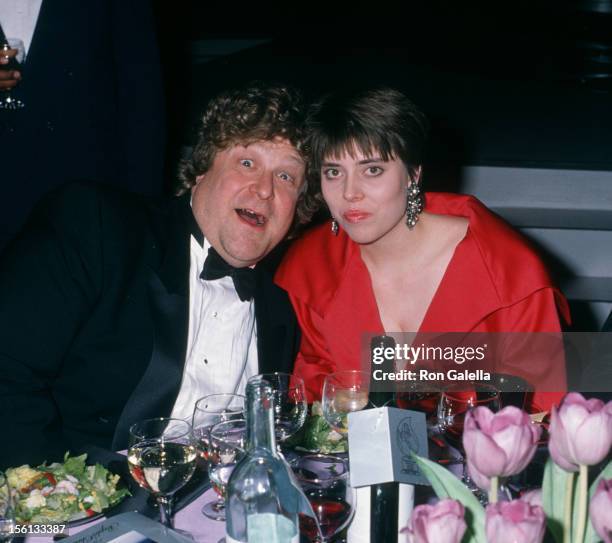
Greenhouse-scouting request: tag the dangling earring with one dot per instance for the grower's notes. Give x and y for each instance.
(334, 227)
(414, 204)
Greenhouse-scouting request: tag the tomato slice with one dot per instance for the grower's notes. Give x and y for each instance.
(90, 512)
(50, 478)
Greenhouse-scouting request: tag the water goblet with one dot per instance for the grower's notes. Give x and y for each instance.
(290, 405)
(211, 410)
(344, 392)
(227, 444)
(161, 459)
(325, 482)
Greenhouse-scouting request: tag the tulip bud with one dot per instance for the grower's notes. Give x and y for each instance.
(498, 444)
(600, 510)
(580, 432)
(439, 523)
(514, 522)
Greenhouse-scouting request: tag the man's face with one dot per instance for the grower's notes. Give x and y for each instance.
(244, 204)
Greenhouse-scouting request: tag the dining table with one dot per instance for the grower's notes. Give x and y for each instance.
(189, 519)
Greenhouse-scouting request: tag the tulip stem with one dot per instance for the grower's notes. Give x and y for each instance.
(567, 507)
(494, 490)
(583, 484)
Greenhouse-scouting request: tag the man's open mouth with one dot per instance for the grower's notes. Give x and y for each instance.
(251, 217)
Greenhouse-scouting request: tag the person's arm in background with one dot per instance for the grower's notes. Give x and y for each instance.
(47, 287)
(139, 93)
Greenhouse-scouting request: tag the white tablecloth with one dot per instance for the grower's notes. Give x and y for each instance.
(189, 519)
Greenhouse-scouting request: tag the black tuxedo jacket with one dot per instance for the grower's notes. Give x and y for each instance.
(93, 320)
(94, 106)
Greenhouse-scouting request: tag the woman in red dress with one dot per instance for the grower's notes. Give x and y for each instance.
(393, 259)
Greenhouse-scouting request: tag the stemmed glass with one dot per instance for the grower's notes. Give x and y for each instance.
(211, 410)
(227, 444)
(8, 102)
(455, 402)
(7, 512)
(344, 392)
(161, 459)
(325, 481)
(290, 404)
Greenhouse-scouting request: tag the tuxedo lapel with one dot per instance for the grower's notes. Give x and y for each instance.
(156, 392)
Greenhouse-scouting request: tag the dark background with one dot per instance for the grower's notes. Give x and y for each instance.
(536, 74)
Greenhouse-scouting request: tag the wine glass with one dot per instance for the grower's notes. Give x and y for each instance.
(420, 396)
(456, 400)
(161, 459)
(343, 393)
(211, 410)
(325, 482)
(7, 512)
(8, 102)
(227, 446)
(290, 404)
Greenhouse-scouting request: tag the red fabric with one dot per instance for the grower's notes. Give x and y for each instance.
(493, 283)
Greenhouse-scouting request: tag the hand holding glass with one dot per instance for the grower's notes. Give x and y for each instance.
(15, 59)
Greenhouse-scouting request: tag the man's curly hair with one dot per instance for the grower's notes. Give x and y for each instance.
(257, 112)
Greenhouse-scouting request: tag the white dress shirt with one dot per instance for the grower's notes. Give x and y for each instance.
(18, 19)
(222, 341)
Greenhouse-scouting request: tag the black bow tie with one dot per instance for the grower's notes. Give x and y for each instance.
(244, 278)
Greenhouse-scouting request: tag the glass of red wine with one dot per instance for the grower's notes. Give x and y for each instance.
(456, 400)
(420, 396)
(325, 481)
(8, 101)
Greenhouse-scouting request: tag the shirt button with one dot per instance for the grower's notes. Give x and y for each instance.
(215, 314)
(206, 361)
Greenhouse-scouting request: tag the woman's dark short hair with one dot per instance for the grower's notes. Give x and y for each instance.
(257, 112)
(381, 121)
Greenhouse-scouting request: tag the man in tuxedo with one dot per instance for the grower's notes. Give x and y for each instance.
(116, 307)
(94, 105)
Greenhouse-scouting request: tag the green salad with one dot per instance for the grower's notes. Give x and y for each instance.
(317, 435)
(63, 492)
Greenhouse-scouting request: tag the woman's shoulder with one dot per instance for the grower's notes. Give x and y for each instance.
(513, 264)
(314, 262)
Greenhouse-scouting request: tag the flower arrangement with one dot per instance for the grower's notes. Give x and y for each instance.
(499, 445)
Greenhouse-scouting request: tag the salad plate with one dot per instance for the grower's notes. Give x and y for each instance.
(70, 492)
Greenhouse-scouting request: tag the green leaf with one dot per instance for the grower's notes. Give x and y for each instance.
(591, 536)
(447, 485)
(75, 465)
(553, 498)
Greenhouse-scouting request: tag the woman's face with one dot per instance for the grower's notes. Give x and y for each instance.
(366, 195)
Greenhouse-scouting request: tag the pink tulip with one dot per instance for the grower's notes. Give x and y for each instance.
(514, 522)
(498, 444)
(481, 480)
(580, 432)
(600, 510)
(439, 523)
(533, 497)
